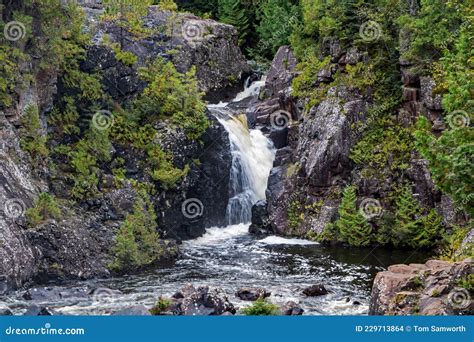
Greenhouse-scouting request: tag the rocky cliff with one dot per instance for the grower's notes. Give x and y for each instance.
(77, 246)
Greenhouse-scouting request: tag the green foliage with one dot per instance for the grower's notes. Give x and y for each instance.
(454, 249)
(84, 157)
(10, 59)
(64, 119)
(168, 5)
(467, 282)
(124, 57)
(170, 94)
(163, 168)
(45, 208)
(278, 18)
(352, 227)
(413, 229)
(433, 29)
(137, 241)
(33, 138)
(234, 12)
(388, 145)
(128, 14)
(261, 308)
(450, 154)
(161, 306)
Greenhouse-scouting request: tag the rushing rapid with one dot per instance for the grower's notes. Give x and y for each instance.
(229, 258)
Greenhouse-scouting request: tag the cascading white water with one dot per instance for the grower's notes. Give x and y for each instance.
(252, 160)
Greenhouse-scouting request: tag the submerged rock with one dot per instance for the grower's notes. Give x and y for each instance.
(35, 310)
(315, 290)
(291, 309)
(252, 293)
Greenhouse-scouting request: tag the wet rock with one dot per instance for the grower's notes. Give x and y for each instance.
(49, 294)
(136, 310)
(291, 309)
(425, 289)
(260, 224)
(5, 312)
(315, 290)
(35, 310)
(252, 293)
(201, 301)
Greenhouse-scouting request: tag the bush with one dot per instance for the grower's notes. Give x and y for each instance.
(168, 5)
(45, 208)
(173, 95)
(261, 308)
(161, 306)
(137, 241)
(33, 139)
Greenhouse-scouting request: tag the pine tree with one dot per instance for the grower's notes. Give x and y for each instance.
(352, 226)
(137, 241)
(406, 218)
(233, 12)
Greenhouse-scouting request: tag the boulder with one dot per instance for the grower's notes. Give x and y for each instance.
(136, 310)
(315, 290)
(35, 310)
(5, 312)
(425, 289)
(252, 293)
(281, 72)
(201, 301)
(260, 225)
(290, 308)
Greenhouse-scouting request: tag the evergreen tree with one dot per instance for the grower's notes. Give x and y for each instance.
(407, 223)
(137, 241)
(413, 229)
(352, 226)
(234, 12)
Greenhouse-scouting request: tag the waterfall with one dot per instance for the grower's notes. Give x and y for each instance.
(252, 160)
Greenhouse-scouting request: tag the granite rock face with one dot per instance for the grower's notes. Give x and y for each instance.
(433, 288)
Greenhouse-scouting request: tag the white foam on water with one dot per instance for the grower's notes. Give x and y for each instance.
(278, 240)
(219, 234)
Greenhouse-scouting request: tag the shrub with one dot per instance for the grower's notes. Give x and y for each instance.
(137, 241)
(168, 5)
(261, 308)
(170, 94)
(33, 139)
(161, 306)
(45, 208)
